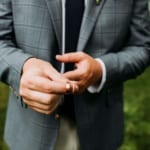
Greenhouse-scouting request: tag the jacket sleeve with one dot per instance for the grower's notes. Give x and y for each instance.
(11, 58)
(135, 56)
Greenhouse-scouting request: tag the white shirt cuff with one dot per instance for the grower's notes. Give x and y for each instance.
(98, 87)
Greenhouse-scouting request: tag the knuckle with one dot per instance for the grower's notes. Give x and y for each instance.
(49, 64)
(21, 92)
(86, 73)
(26, 80)
(83, 74)
(22, 81)
(47, 108)
(48, 101)
(49, 88)
(90, 75)
(80, 53)
(29, 80)
(48, 112)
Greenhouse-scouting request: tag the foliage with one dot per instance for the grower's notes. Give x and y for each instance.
(137, 121)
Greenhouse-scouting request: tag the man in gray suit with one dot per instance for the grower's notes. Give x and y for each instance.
(112, 46)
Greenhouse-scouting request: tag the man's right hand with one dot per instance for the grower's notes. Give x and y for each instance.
(41, 85)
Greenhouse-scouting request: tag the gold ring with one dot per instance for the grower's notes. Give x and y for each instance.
(68, 87)
(75, 88)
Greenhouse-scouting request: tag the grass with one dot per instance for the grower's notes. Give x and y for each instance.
(137, 121)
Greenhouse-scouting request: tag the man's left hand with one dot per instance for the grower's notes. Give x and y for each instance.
(88, 71)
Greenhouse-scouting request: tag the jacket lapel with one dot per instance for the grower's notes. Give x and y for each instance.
(55, 10)
(89, 19)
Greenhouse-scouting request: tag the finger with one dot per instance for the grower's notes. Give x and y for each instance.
(39, 97)
(54, 75)
(47, 86)
(43, 107)
(35, 104)
(51, 73)
(69, 57)
(41, 111)
(74, 75)
(48, 111)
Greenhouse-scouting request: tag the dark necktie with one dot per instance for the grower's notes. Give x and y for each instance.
(74, 14)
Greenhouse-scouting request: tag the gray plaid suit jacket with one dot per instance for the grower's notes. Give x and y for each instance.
(116, 31)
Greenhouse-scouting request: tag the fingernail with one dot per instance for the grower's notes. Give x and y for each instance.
(57, 56)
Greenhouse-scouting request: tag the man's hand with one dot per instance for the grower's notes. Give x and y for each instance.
(87, 70)
(41, 85)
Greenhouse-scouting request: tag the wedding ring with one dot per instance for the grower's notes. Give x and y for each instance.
(75, 87)
(68, 87)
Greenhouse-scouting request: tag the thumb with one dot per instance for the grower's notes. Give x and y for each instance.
(69, 57)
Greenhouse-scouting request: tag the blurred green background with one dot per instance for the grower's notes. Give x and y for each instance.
(137, 113)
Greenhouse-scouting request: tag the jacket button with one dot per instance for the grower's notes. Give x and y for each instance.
(57, 116)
